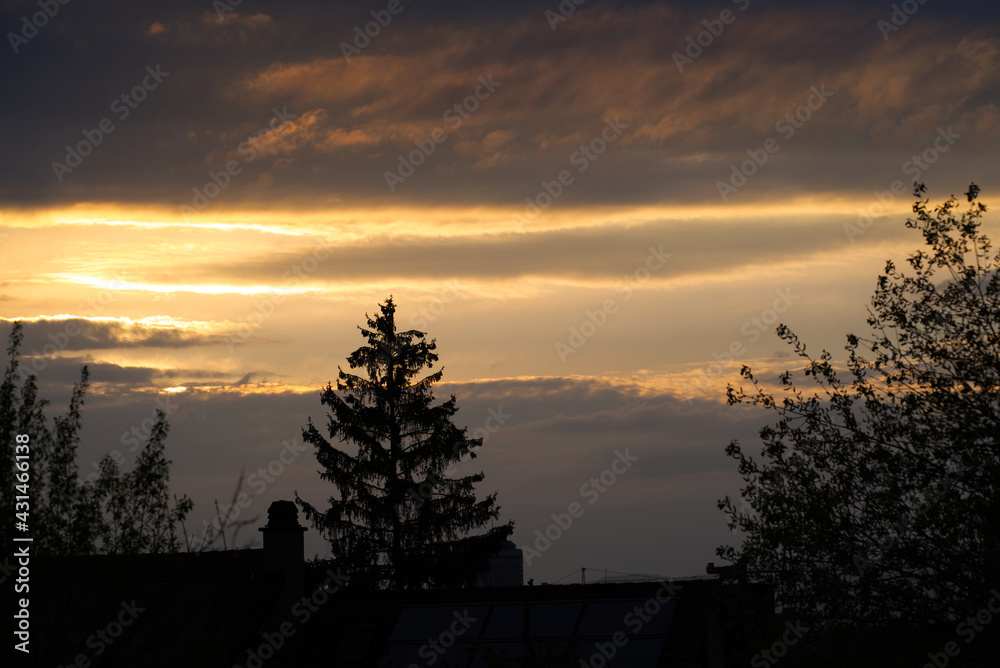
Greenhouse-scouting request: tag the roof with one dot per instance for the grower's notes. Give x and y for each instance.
(227, 609)
(146, 609)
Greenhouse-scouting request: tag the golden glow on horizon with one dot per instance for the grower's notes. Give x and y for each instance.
(115, 284)
(128, 268)
(509, 287)
(269, 229)
(353, 224)
(245, 389)
(101, 388)
(525, 288)
(162, 321)
(702, 380)
(693, 383)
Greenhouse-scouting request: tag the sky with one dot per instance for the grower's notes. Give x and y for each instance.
(600, 212)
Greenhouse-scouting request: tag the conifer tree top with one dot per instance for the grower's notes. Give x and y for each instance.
(400, 518)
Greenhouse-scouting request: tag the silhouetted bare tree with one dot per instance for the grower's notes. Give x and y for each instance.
(118, 513)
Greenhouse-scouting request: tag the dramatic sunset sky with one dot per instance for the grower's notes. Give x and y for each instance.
(581, 242)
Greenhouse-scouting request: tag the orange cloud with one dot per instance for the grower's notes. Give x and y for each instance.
(742, 83)
(213, 28)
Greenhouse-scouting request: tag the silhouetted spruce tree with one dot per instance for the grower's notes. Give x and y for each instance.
(399, 521)
(876, 499)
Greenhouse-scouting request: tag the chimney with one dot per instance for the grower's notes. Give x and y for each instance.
(283, 546)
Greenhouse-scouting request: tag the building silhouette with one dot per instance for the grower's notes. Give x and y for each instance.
(267, 607)
(506, 569)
